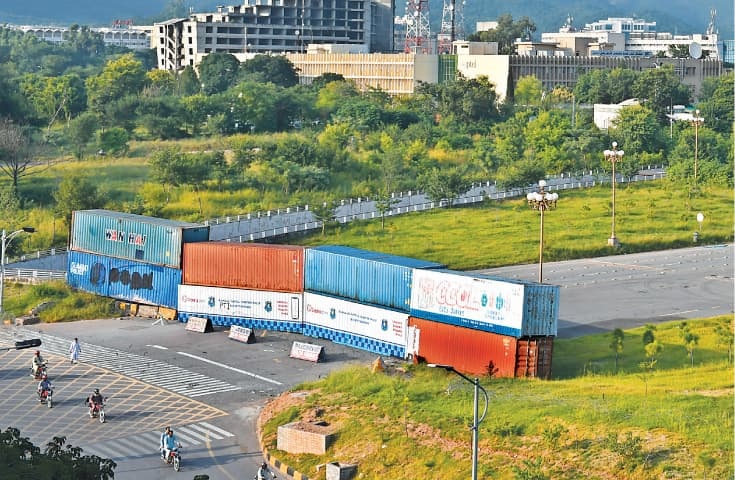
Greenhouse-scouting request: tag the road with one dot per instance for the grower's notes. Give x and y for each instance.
(211, 388)
(623, 291)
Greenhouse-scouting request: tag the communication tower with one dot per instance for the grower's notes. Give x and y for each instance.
(452, 25)
(418, 30)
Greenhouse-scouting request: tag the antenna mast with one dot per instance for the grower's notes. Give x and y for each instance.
(418, 30)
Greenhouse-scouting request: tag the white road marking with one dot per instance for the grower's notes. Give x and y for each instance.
(158, 347)
(222, 365)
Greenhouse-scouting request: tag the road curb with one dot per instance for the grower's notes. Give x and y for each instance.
(272, 460)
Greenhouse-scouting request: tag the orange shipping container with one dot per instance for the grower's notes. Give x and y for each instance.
(468, 351)
(250, 266)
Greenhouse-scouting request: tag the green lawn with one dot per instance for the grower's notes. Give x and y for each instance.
(412, 421)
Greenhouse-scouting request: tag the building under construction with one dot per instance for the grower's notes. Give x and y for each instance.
(275, 26)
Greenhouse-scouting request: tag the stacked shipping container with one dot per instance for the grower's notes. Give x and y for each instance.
(247, 284)
(382, 303)
(129, 257)
(359, 298)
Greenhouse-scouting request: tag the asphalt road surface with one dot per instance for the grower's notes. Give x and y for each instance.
(623, 291)
(210, 388)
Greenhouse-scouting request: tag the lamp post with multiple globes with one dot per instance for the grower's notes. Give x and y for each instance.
(542, 201)
(613, 156)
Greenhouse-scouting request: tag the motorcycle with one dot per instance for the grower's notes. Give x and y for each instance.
(264, 475)
(98, 411)
(40, 372)
(44, 396)
(174, 458)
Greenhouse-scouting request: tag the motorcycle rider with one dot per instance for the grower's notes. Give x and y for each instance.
(170, 442)
(94, 399)
(162, 443)
(263, 471)
(44, 385)
(37, 363)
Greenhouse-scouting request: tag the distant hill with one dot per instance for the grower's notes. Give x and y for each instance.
(676, 16)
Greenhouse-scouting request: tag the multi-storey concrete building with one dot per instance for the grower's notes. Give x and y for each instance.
(274, 26)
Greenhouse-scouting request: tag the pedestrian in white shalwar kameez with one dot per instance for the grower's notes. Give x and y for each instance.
(74, 350)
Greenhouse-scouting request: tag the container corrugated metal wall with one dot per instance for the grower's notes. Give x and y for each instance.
(468, 351)
(251, 266)
(356, 325)
(133, 237)
(362, 275)
(123, 279)
(246, 308)
(534, 357)
(480, 302)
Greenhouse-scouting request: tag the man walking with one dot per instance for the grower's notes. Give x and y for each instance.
(74, 350)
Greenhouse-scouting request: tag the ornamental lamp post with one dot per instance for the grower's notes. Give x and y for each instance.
(542, 201)
(6, 239)
(475, 421)
(613, 156)
(696, 120)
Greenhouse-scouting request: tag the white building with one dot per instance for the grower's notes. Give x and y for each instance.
(128, 36)
(632, 38)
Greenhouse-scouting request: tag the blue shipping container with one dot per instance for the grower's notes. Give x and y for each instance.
(134, 237)
(481, 302)
(122, 279)
(362, 275)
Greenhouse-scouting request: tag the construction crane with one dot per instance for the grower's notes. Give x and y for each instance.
(418, 29)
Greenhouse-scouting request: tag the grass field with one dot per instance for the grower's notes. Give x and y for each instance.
(412, 422)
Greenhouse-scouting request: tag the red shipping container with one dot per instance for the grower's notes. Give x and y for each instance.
(534, 357)
(468, 351)
(250, 266)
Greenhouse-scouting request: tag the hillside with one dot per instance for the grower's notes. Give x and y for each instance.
(677, 16)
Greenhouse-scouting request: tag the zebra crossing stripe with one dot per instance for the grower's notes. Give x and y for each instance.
(216, 429)
(155, 372)
(185, 438)
(208, 433)
(191, 433)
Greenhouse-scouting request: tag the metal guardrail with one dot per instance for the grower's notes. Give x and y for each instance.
(33, 276)
(285, 221)
(36, 255)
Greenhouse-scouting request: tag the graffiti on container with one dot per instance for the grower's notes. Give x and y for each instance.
(133, 280)
(132, 238)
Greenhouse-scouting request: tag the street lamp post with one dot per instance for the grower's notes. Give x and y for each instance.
(475, 421)
(542, 201)
(613, 156)
(696, 120)
(6, 239)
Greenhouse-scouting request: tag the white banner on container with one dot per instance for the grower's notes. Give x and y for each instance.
(356, 318)
(468, 299)
(233, 302)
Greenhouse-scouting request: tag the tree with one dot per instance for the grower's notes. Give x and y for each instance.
(441, 185)
(616, 344)
(76, 193)
(717, 100)
(120, 77)
(22, 459)
(637, 131)
(80, 132)
(652, 350)
(276, 69)
(648, 335)
(690, 339)
(16, 151)
(218, 71)
(527, 91)
(319, 82)
(113, 141)
(725, 336)
(659, 88)
(506, 33)
(325, 212)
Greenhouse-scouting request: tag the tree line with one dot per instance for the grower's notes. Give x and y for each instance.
(330, 138)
